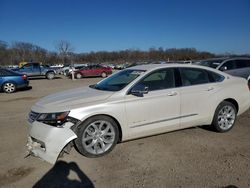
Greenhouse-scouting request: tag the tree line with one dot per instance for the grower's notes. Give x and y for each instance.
(12, 54)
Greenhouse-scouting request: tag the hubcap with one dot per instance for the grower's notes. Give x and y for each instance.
(104, 74)
(50, 75)
(226, 117)
(78, 76)
(9, 87)
(98, 137)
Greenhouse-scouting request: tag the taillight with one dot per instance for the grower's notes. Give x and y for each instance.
(24, 77)
(249, 85)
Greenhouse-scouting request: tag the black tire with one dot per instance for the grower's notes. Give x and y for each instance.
(78, 76)
(9, 87)
(84, 129)
(223, 122)
(104, 74)
(50, 75)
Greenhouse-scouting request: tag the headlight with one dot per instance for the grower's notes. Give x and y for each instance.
(54, 119)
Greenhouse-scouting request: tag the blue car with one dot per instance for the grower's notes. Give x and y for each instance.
(10, 81)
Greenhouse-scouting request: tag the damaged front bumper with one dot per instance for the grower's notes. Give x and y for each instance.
(47, 142)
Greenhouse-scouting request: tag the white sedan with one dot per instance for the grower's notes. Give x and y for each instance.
(136, 102)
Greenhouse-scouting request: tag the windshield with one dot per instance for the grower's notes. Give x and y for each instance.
(118, 81)
(210, 63)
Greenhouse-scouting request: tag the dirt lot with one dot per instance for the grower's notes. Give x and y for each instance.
(196, 157)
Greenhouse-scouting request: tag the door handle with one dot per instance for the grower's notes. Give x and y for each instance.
(172, 93)
(210, 89)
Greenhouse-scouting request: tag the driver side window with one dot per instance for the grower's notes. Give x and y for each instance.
(27, 66)
(160, 79)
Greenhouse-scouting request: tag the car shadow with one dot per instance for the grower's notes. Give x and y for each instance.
(207, 128)
(25, 89)
(58, 177)
(43, 78)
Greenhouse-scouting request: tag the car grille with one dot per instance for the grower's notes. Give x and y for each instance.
(33, 116)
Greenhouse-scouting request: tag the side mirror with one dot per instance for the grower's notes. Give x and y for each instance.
(139, 90)
(223, 68)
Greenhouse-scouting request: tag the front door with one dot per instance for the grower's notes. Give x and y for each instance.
(26, 69)
(158, 110)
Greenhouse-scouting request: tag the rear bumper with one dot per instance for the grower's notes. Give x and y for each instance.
(24, 85)
(46, 142)
(244, 106)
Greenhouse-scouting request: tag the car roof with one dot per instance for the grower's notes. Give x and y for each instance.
(151, 67)
(148, 67)
(224, 58)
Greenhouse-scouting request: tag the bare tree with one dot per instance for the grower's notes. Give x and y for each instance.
(65, 49)
(65, 52)
(24, 51)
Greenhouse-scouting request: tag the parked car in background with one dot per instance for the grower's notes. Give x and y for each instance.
(36, 69)
(10, 81)
(69, 68)
(135, 102)
(238, 66)
(119, 66)
(92, 70)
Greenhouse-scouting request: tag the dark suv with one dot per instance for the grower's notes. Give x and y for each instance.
(239, 66)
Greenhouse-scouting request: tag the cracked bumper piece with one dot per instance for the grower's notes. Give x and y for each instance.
(46, 142)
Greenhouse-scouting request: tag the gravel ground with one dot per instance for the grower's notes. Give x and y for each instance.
(195, 157)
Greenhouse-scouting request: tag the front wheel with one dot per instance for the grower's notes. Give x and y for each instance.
(104, 74)
(50, 75)
(78, 76)
(224, 117)
(97, 136)
(9, 87)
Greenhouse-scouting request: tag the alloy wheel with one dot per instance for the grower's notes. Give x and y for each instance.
(226, 117)
(98, 137)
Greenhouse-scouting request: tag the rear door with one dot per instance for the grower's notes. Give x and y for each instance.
(36, 69)
(196, 96)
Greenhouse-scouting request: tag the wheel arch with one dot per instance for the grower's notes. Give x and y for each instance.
(49, 71)
(234, 102)
(113, 118)
(8, 81)
(78, 72)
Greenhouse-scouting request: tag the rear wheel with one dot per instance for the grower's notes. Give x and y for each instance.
(97, 136)
(9, 87)
(50, 75)
(224, 117)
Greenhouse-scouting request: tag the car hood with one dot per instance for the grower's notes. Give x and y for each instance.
(71, 99)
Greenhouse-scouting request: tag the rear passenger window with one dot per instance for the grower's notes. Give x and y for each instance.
(192, 76)
(4, 72)
(241, 64)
